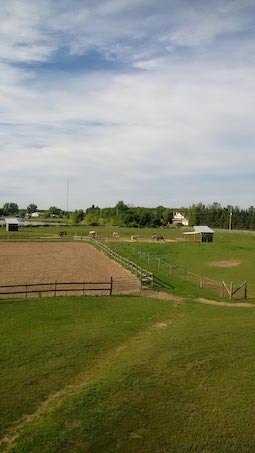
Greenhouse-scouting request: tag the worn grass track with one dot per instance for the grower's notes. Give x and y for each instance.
(127, 374)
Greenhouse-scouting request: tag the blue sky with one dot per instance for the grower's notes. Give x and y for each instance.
(136, 100)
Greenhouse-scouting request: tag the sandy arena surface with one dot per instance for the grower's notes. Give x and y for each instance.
(229, 263)
(37, 262)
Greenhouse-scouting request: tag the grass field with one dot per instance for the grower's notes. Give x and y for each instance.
(126, 374)
(231, 257)
(105, 232)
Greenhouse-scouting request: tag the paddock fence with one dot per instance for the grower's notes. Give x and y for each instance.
(85, 288)
(223, 289)
(145, 276)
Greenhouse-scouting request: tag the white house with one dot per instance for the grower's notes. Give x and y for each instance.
(36, 214)
(179, 218)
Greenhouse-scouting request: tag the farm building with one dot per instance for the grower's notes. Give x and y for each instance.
(12, 224)
(202, 233)
(179, 218)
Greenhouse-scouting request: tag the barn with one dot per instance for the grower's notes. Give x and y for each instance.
(12, 224)
(201, 233)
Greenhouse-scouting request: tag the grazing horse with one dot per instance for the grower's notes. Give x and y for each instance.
(155, 237)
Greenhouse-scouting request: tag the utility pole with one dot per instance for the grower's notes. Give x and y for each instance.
(230, 218)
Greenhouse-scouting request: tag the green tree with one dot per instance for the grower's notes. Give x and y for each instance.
(92, 209)
(77, 216)
(10, 208)
(55, 211)
(32, 207)
(121, 207)
(167, 216)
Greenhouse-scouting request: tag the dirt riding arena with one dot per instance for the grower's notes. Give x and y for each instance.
(37, 262)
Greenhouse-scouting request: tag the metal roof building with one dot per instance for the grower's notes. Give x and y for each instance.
(202, 232)
(12, 224)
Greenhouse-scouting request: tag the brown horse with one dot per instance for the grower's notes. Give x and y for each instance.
(155, 237)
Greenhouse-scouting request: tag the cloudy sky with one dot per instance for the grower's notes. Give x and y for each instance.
(150, 102)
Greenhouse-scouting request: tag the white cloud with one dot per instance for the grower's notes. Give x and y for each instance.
(136, 134)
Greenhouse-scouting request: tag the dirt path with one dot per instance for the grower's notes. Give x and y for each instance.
(174, 298)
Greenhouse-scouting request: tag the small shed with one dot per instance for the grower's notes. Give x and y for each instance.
(202, 232)
(12, 224)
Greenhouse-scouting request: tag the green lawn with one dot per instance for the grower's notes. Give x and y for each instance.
(198, 257)
(133, 375)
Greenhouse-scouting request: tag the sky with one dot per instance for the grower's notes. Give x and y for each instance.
(149, 102)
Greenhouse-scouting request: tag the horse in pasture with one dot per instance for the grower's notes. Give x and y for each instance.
(156, 237)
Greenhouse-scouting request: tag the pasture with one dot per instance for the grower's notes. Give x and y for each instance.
(231, 257)
(126, 374)
(106, 232)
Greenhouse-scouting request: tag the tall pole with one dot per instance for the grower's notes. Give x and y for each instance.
(230, 218)
(67, 195)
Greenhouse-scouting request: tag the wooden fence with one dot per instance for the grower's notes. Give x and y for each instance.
(122, 285)
(146, 277)
(56, 288)
(231, 291)
(224, 290)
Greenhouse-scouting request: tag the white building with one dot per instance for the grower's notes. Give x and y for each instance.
(12, 224)
(179, 218)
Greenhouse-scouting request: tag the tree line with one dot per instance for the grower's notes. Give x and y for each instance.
(213, 215)
(216, 216)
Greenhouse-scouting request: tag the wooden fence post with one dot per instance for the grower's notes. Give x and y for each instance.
(231, 290)
(245, 290)
(55, 289)
(201, 281)
(111, 285)
(26, 290)
(222, 289)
